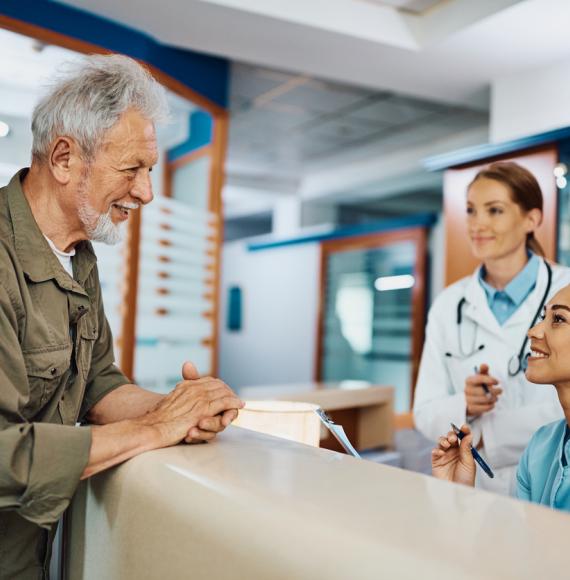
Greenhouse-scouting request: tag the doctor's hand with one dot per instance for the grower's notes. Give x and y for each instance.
(207, 427)
(452, 460)
(477, 400)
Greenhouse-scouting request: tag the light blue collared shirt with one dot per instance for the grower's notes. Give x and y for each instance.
(504, 303)
(543, 475)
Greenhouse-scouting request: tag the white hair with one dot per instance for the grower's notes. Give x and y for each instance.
(89, 97)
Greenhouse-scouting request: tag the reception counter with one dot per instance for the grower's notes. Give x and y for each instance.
(251, 506)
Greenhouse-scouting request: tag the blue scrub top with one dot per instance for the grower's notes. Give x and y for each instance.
(504, 303)
(543, 475)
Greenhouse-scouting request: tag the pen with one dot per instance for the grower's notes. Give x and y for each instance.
(474, 452)
(485, 387)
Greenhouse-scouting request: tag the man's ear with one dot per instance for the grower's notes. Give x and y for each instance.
(63, 159)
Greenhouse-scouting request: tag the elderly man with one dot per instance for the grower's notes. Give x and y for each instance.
(94, 146)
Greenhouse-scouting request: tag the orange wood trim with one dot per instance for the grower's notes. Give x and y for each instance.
(317, 374)
(417, 235)
(166, 185)
(204, 151)
(208, 314)
(418, 306)
(128, 330)
(403, 421)
(217, 177)
(207, 342)
(58, 39)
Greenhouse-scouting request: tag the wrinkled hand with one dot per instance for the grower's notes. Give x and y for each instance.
(477, 400)
(452, 460)
(206, 405)
(209, 427)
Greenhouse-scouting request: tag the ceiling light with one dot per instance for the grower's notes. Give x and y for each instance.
(4, 129)
(560, 170)
(385, 283)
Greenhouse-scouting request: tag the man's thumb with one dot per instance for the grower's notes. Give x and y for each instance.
(189, 371)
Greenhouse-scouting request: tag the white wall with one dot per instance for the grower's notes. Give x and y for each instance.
(280, 299)
(531, 102)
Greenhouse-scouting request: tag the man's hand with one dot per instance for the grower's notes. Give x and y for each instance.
(477, 400)
(452, 460)
(191, 403)
(208, 427)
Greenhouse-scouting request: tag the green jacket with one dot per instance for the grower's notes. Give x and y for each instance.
(56, 362)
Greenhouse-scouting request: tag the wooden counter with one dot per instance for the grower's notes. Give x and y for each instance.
(254, 507)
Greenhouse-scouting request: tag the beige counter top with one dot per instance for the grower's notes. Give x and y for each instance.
(251, 506)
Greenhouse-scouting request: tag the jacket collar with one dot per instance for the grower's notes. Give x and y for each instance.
(36, 257)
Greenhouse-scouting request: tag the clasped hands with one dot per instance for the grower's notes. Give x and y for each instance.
(196, 410)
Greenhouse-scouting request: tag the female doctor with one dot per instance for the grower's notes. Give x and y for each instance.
(474, 357)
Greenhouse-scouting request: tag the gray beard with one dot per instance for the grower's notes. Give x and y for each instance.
(99, 227)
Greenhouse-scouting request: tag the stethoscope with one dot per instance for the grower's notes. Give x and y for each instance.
(517, 362)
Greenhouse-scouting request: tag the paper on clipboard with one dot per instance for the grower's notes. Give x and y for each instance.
(338, 433)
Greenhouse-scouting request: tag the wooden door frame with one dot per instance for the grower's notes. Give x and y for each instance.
(218, 155)
(417, 235)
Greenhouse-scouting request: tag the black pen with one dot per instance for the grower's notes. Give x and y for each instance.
(485, 387)
(460, 434)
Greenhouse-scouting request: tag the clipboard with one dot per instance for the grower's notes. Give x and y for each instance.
(338, 433)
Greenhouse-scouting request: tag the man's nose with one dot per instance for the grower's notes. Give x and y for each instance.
(142, 187)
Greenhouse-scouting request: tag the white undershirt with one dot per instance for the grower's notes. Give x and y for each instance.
(63, 257)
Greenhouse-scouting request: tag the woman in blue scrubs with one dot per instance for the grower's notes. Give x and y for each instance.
(542, 475)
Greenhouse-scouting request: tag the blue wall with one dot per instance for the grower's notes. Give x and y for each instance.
(206, 75)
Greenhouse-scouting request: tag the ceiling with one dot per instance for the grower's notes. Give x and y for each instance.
(414, 6)
(449, 51)
(282, 124)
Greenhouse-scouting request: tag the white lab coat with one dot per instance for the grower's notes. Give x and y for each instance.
(439, 396)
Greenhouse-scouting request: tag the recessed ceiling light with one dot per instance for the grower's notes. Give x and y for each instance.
(4, 129)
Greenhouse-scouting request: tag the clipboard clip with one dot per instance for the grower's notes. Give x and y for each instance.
(338, 432)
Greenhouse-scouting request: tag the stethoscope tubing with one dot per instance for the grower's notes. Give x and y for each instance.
(517, 359)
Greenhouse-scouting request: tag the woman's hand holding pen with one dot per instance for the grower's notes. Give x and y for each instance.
(452, 459)
(481, 392)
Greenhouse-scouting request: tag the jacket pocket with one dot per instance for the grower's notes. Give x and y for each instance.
(46, 370)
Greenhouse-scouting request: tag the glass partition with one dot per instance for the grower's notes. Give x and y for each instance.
(370, 315)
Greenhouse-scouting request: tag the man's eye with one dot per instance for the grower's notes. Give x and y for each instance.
(470, 211)
(558, 319)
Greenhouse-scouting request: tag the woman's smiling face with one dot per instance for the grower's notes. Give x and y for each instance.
(550, 343)
(497, 226)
